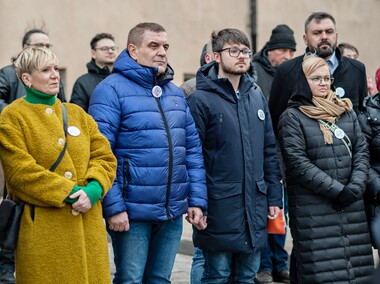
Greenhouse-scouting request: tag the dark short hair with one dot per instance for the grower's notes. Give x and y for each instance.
(232, 36)
(318, 16)
(27, 35)
(98, 37)
(344, 45)
(135, 34)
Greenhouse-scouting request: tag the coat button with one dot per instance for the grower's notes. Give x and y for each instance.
(61, 141)
(49, 110)
(68, 175)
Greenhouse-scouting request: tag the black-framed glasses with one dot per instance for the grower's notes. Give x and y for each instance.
(317, 80)
(235, 52)
(47, 45)
(107, 48)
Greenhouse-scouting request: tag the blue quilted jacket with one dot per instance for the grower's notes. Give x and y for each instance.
(160, 164)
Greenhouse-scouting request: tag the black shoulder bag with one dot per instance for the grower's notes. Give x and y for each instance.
(11, 211)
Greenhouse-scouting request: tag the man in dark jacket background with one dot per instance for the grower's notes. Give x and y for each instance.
(239, 148)
(321, 38)
(103, 53)
(279, 49)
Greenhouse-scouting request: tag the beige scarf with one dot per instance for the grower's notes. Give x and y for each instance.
(327, 109)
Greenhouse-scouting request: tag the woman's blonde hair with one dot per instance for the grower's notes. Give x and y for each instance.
(34, 58)
(311, 63)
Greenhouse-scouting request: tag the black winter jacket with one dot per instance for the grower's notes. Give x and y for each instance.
(263, 72)
(330, 245)
(85, 84)
(240, 159)
(350, 75)
(370, 123)
(12, 88)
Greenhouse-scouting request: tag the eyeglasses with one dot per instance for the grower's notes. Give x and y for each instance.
(47, 45)
(235, 52)
(107, 48)
(318, 80)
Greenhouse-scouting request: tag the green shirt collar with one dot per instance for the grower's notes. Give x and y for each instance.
(35, 97)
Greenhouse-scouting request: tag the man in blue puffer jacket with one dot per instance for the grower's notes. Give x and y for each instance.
(160, 174)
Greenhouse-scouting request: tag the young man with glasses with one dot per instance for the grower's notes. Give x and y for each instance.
(239, 148)
(12, 88)
(103, 53)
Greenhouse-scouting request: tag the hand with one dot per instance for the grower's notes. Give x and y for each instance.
(196, 218)
(347, 196)
(83, 204)
(119, 222)
(273, 212)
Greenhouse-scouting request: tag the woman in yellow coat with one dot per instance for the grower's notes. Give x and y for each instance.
(62, 235)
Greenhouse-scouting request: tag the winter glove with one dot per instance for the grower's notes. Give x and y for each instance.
(73, 200)
(347, 196)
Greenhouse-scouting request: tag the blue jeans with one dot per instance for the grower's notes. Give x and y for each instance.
(227, 267)
(274, 257)
(146, 253)
(197, 266)
(7, 261)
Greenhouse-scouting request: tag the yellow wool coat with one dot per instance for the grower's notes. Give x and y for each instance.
(55, 246)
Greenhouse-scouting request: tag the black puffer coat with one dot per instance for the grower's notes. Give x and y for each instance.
(369, 121)
(330, 245)
(85, 84)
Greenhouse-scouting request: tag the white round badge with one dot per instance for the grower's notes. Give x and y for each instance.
(73, 131)
(261, 114)
(156, 91)
(339, 133)
(340, 92)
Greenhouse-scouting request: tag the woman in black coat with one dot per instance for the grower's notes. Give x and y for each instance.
(326, 161)
(369, 121)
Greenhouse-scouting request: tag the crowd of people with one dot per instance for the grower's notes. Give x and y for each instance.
(252, 135)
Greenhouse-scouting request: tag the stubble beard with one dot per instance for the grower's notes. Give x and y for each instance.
(229, 70)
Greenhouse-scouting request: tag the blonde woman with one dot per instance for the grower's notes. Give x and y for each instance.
(326, 160)
(62, 236)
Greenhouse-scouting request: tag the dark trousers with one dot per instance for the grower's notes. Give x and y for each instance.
(7, 259)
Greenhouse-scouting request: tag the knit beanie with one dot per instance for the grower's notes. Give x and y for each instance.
(282, 37)
(377, 77)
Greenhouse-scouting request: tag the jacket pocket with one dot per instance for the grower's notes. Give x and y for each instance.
(126, 176)
(262, 187)
(225, 208)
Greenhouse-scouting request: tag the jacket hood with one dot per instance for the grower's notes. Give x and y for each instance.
(93, 68)
(145, 76)
(302, 94)
(262, 58)
(207, 80)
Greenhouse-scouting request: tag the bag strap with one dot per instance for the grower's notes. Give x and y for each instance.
(64, 114)
(345, 139)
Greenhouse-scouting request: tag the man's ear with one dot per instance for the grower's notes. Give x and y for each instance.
(217, 57)
(132, 50)
(26, 79)
(93, 53)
